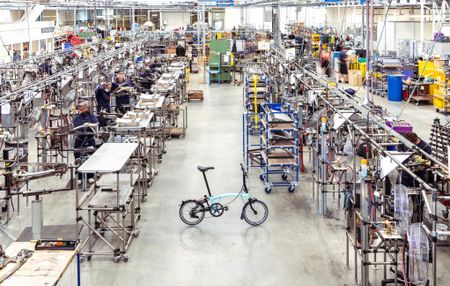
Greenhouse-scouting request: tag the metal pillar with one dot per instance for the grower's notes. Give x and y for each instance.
(95, 15)
(433, 18)
(204, 39)
(276, 24)
(322, 178)
(74, 20)
(37, 220)
(422, 25)
(364, 232)
(132, 23)
(367, 98)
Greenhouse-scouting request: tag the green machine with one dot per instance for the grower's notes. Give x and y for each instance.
(220, 61)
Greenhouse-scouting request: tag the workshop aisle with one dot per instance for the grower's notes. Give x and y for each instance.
(288, 250)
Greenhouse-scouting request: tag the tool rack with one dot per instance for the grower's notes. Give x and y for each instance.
(108, 207)
(279, 146)
(439, 140)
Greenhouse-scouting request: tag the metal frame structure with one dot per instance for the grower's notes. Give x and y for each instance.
(369, 126)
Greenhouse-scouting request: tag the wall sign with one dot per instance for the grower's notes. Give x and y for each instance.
(47, 30)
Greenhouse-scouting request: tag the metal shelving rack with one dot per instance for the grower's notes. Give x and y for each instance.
(383, 68)
(279, 146)
(256, 92)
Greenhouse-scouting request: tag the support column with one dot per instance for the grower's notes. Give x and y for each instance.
(204, 40)
(132, 23)
(367, 99)
(74, 20)
(364, 232)
(95, 15)
(422, 25)
(57, 21)
(276, 24)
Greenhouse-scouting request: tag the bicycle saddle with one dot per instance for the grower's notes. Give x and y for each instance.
(204, 169)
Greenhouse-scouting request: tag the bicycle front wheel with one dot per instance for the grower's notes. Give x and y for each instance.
(255, 212)
(191, 212)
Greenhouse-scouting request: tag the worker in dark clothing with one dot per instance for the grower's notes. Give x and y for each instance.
(46, 67)
(122, 95)
(103, 96)
(409, 181)
(180, 51)
(146, 79)
(83, 135)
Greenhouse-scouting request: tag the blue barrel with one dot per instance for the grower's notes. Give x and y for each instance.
(395, 85)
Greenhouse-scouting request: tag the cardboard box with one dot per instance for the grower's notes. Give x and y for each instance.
(195, 94)
(171, 51)
(355, 78)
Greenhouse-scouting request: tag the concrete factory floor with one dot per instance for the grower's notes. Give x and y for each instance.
(294, 247)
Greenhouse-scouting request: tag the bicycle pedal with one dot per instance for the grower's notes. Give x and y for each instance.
(225, 208)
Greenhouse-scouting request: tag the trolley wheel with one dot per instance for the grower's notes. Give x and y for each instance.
(284, 176)
(125, 258)
(136, 233)
(445, 213)
(268, 189)
(262, 177)
(116, 258)
(144, 199)
(88, 257)
(291, 188)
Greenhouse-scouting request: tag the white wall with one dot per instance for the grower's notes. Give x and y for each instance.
(19, 33)
(288, 15)
(254, 16)
(232, 17)
(175, 20)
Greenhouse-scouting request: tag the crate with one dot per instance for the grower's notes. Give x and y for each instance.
(195, 94)
(438, 102)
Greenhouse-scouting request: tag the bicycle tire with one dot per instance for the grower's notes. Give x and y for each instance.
(252, 208)
(185, 212)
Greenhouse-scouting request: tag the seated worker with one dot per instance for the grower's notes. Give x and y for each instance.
(46, 67)
(408, 181)
(103, 96)
(122, 98)
(83, 139)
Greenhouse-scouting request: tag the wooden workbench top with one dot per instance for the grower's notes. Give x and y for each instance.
(45, 267)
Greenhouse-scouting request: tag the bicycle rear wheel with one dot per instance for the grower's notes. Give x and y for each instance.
(191, 212)
(255, 212)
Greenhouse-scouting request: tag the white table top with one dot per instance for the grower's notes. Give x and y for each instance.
(109, 158)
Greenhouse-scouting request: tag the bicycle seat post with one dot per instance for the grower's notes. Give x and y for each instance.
(206, 182)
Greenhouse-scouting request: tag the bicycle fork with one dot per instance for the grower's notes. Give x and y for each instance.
(250, 201)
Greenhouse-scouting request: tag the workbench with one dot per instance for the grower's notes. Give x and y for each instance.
(44, 268)
(422, 92)
(110, 206)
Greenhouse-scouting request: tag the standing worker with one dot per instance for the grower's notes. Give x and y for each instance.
(119, 89)
(103, 96)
